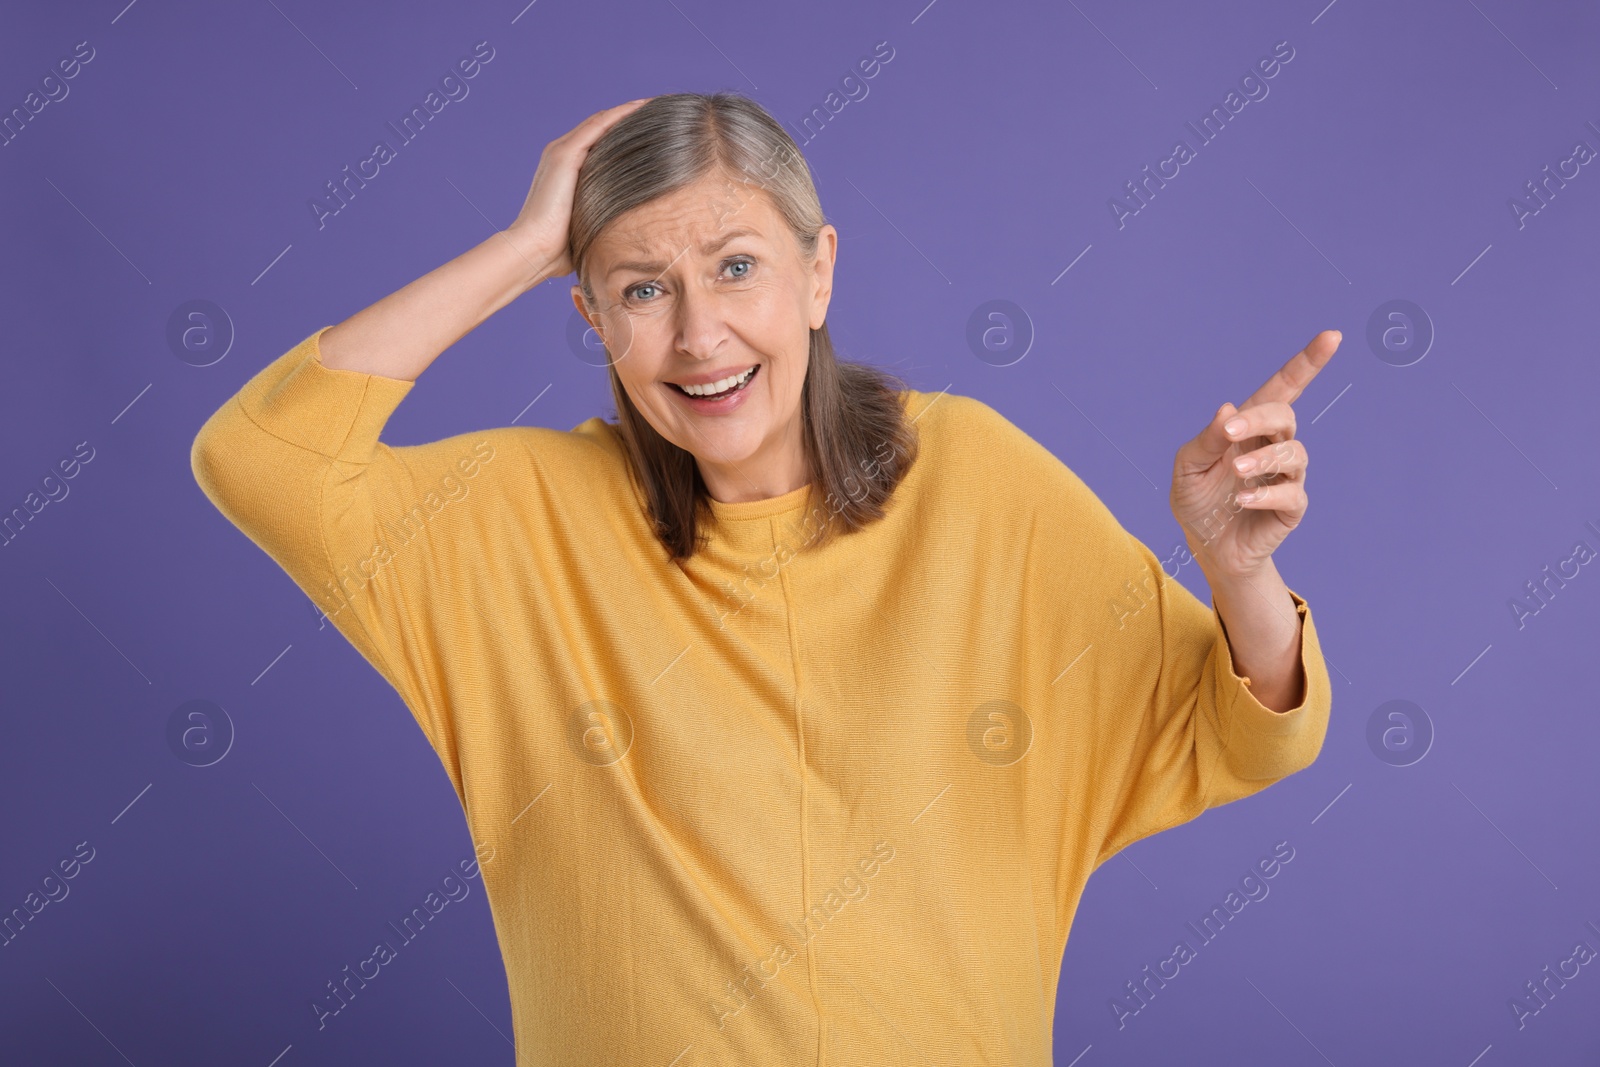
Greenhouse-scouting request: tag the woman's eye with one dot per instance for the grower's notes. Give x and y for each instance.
(634, 294)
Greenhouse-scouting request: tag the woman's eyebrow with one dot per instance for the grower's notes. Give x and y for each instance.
(706, 249)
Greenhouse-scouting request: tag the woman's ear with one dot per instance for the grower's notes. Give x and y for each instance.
(822, 274)
(590, 315)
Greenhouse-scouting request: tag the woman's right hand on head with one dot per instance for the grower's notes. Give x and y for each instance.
(540, 229)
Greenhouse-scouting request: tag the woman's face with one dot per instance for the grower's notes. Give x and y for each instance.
(700, 286)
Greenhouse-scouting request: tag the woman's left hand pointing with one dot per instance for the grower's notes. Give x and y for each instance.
(1235, 518)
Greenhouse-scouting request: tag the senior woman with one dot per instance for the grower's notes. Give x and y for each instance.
(791, 712)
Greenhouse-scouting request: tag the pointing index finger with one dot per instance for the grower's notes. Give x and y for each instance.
(1293, 377)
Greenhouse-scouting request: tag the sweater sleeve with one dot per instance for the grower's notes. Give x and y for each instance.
(1193, 736)
(294, 461)
(1147, 721)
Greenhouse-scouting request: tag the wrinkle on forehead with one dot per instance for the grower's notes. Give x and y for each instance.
(693, 215)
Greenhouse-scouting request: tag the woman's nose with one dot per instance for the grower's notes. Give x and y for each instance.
(701, 319)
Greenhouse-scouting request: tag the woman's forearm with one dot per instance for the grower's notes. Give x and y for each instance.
(1263, 628)
(400, 335)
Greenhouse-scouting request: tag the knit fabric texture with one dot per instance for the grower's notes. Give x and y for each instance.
(778, 804)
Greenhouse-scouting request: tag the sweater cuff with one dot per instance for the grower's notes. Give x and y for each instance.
(1233, 691)
(334, 412)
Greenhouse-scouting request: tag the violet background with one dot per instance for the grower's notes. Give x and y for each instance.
(978, 167)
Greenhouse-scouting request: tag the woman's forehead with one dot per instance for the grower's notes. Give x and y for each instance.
(679, 224)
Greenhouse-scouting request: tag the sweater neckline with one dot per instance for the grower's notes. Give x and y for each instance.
(742, 510)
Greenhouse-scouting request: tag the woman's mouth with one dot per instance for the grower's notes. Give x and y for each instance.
(715, 402)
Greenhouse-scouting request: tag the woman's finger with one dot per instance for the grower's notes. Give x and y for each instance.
(1280, 457)
(592, 128)
(1202, 451)
(1286, 496)
(1272, 419)
(1293, 377)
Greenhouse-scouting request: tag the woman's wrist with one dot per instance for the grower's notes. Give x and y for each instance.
(532, 263)
(1262, 625)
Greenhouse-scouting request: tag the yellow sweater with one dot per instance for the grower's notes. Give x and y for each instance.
(767, 807)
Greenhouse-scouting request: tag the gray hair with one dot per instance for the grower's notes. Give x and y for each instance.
(859, 445)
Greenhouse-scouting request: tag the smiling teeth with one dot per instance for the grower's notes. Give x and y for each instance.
(718, 387)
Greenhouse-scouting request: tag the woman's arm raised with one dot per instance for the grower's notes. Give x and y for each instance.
(400, 335)
(295, 460)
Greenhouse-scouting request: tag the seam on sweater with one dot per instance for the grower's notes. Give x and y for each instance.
(805, 855)
(1227, 721)
(414, 702)
(1133, 771)
(373, 638)
(379, 647)
(1026, 828)
(258, 424)
(1208, 773)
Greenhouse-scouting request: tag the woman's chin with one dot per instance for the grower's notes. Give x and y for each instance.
(725, 446)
